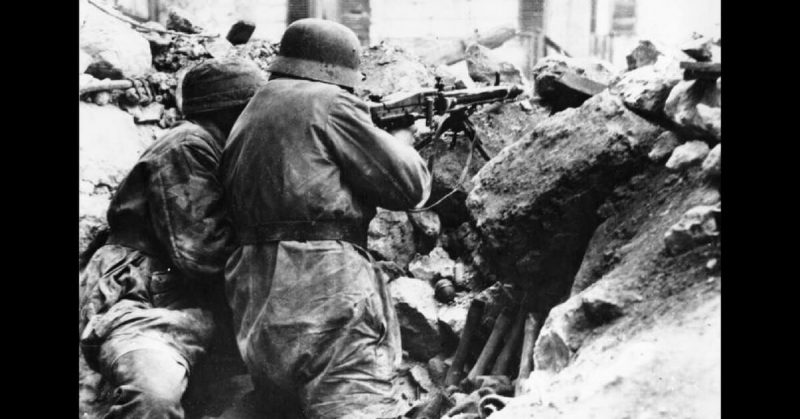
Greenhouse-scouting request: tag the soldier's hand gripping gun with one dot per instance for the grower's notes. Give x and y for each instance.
(400, 112)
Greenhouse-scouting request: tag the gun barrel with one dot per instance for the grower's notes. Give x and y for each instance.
(478, 96)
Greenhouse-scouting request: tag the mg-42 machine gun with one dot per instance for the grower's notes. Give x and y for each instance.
(455, 104)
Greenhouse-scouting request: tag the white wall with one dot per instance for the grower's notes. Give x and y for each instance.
(440, 19)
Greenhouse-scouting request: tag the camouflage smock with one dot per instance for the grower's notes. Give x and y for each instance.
(314, 321)
(158, 282)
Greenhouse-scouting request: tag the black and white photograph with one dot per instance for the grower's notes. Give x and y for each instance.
(399, 209)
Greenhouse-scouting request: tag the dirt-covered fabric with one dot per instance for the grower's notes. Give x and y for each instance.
(312, 317)
(158, 283)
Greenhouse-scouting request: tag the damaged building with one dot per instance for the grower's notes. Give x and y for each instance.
(570, 268)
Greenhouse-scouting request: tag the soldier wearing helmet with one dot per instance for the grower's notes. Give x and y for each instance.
(154, 293)
(303, 171)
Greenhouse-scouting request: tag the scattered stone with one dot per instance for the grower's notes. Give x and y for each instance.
(390, 236)
(535, 203)
(649, 52)
(146, 114)
(665, 144)
(219, 48)
(416, 312)
(433, 266)
(497, 126)
(556, 92)
(697, 226)
(240, 32)
(712, 165)
(687, 155)
(102, 98)
(117, 51)
(109, 145)
(426, 223)
(178, 20)
(682, 103)
(181, 54)
(437, 369)
(452, 319)
(712, 264)
(262, 52)
(390, 69)
(484, 68)
(711, 119)
(570, 323)
(702, 48)
(646, 88)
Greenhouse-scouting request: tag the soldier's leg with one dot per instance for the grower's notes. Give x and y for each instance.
(149, 383)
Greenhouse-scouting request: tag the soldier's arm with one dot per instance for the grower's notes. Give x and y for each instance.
(386, 170)
(187, 209)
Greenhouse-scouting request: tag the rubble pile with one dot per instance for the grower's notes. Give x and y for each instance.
(551, 281)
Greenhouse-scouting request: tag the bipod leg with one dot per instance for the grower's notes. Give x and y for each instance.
(472, 136)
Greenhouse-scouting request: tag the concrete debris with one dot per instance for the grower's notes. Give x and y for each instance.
(240, 32)
(390, 69)
(104, 161)
(687, 155)
(563, 82)
(219, 48)
(426, 223)
(570, 323)
(665, 144)
(649, 52)
(178, 20)
(181, 53)
(416, 313)
(711, 119)
(117, 51)
(146, 114)
(535, 203)
(437, 368)
(646, 88)
(702, 48)
(682, 103)
(497, 126)
(697, 226)
(433, 266)
(390, 236)
(452, 319)
(712, 165)
(102, 98)
(261, 51)
(487, 70)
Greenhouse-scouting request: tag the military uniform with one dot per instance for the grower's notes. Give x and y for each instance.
(152, 292)
(303, 170)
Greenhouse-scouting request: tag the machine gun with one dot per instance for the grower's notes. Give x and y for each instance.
(458, 105)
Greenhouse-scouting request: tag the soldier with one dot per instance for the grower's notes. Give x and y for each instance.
(303, 172)
(153, 295)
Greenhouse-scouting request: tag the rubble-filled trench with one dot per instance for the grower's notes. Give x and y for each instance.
(574, 274)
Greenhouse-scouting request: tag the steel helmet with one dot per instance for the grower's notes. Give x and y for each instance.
(320, 50)
(218, 84)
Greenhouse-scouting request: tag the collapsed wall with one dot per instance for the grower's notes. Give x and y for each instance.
(603, 210)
